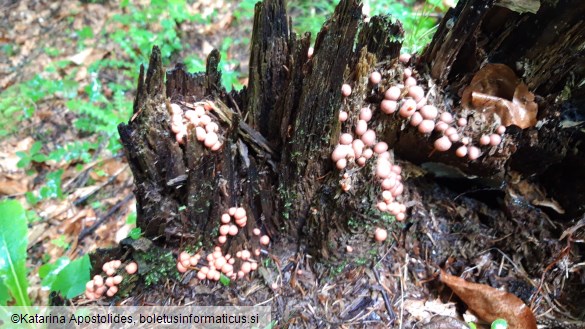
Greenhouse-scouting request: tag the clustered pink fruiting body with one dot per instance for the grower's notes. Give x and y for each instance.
(410, 101)
(407, 101)
(355, 150)
(218, 263)
(95, 288)
(197, 120)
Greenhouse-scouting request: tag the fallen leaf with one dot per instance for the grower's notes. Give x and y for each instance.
(490, 304)
(80, 57)
(496, 88)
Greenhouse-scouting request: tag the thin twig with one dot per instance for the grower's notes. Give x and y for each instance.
(87, 231)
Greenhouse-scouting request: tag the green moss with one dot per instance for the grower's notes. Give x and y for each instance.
(156, 265)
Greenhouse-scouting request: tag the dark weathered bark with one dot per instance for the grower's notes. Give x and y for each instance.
(276, 162)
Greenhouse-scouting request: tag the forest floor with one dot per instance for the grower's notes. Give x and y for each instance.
(492, 234)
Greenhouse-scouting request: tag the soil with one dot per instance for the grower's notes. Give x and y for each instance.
(488, 232)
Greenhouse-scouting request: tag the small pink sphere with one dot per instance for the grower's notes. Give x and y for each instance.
(388, 183)
(380, 147)
(264, 240)
(429, 112)
(408, 108)
(112, 291)
(446, 117)
(200, 133)
(400, 217)
(382, 206)
(450, 131)
(201, 276)
(416, 119)
(462, 122)
(205, 119)
(365, 114)
(349, 249)
(240, 213)
(381, 234)
(369, 137)
(495, 139)
(361, 127)
(397, 189)
(194, 260)
(232, 211)
(442, 144)
(387, 196)
(180, 268)
(341, 164)
(361, 161)
(256, 231)
(345, 139)
(211, 127)
(396, 169)
(461, 151)
(375, 77)
(340, 152)
(345, 90)
(409, 82)
(416, 92)
(407, 73)
(484, 140)
(224, 229)
(176, 128)
(393, 93)
(176, 109)
(358, 147)
(426, 126)
(388, 106)
(473, 153)
(465, 140)
(501, 130)
(441, 126)
(368, 153)
(225, 218)
(118, 279)
(233, 230)
(343, 116)
(246, 267)
(210, 139)
(98, 281)
(383, 170)
(454, 137)
(183, 256)
(404, 58)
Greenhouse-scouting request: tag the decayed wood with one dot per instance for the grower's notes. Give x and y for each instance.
(280, 131)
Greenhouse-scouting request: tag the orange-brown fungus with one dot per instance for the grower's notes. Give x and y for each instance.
(496, 89)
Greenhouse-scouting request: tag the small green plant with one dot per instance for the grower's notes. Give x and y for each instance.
(63, 276)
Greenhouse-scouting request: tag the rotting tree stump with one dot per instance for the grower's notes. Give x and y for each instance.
(279, 131)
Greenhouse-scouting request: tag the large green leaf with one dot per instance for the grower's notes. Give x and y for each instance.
(71, 280)
(13, 241)
(4, 293)
(49, 272)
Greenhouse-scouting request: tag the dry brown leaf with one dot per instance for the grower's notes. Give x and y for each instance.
(496, 88)
(490, 304)
(11, 187)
